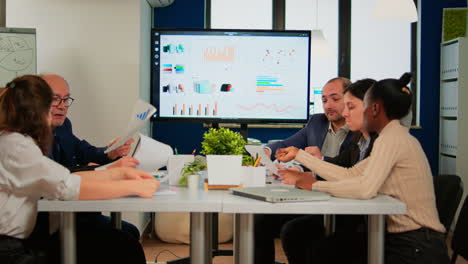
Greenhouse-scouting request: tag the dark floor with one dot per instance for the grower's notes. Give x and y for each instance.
(153, 246)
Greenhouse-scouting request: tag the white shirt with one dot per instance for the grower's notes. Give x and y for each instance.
(26, 175)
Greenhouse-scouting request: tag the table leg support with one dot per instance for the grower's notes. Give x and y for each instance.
(68, 237)
(329, 223)
(200, 238)
(116, 219)
(244, 239)
(376, 236)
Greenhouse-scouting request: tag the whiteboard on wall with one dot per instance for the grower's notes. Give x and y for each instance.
(17, 53)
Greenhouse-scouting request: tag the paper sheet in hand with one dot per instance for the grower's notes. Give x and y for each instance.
(255, 150)
(151, 154)
(142, 111)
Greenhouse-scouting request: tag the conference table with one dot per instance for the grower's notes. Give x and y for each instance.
(201, 204)
(244, 210)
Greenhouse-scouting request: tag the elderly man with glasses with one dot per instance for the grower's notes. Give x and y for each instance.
(68, 150)
(77, 154)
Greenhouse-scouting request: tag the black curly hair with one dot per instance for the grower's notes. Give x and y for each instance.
(395, 95)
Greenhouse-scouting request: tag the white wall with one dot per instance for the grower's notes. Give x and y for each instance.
(102, 48)
(146, 23)
(96, 46)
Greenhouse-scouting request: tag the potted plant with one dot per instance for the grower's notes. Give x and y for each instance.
(191, 172)
(223, 149)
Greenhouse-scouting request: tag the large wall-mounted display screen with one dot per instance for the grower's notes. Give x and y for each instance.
(240, 76)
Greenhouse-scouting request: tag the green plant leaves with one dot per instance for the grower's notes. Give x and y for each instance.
(222, 141)
(191, 168)
(455, 23)
(248, 160)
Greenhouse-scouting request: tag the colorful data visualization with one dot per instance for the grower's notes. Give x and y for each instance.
(232, 75)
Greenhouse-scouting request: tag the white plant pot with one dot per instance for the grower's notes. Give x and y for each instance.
(253, 176)
(224, 169)
(193, 182)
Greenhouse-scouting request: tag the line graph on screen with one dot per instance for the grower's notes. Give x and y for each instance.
(266, 109)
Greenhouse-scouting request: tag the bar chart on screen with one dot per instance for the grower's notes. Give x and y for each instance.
(195, 109)
(267, 83)
(222, 54)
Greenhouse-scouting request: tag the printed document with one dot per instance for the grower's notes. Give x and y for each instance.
(151, 154)
(142, 111)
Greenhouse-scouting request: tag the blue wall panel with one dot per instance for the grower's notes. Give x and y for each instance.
(181, 14)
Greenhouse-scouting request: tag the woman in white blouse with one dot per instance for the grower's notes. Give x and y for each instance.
(27, 174)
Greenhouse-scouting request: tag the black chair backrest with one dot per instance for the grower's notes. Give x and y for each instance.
(448, 193)
(460, 234)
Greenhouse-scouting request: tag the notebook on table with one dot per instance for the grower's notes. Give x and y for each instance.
(279, 194)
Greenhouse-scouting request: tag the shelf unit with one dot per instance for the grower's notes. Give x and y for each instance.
(453, 95)
(453, 139)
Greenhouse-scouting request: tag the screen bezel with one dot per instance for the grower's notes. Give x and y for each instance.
(155, 89)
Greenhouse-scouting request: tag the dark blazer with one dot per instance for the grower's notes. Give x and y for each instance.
(75, 152)
(313, 134)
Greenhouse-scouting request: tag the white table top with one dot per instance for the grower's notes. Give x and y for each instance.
(183, 201)
(379, 205)
(223, 201)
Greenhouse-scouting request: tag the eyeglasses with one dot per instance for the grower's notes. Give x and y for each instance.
(67, 101)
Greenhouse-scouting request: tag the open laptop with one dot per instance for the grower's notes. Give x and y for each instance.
(280, 194)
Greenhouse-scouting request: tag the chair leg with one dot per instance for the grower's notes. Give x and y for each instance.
(454, 258)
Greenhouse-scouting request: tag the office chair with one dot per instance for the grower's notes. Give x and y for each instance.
(460, 234)
(448, 193)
